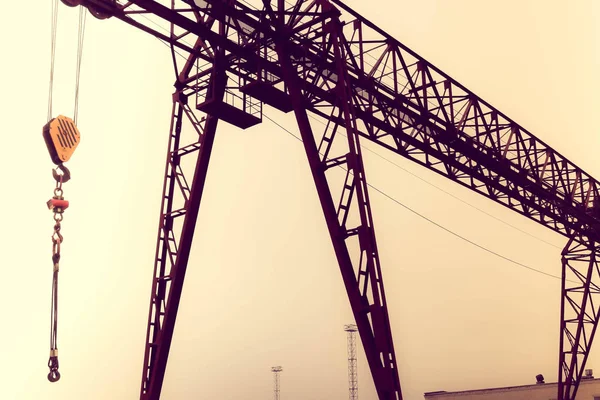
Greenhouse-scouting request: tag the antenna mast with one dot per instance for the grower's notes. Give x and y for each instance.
(352, 373)
(276, 371)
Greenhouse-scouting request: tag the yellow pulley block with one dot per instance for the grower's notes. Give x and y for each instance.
(62, 137)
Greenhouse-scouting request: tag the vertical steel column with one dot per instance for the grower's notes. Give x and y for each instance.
(167, 285)
(173, 248)
(175, 240)
(365, 286)
(580, 308)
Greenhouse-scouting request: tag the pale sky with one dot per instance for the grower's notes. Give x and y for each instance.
(263, 287)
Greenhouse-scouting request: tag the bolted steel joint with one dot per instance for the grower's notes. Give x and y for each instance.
(179, 97)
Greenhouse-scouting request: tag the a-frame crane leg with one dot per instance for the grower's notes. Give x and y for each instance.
(175, 238)
(350, 224)
(580, 308)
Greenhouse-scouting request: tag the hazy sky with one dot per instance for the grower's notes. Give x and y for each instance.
(263, 287)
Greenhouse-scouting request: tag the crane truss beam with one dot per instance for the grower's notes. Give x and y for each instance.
(398, 100)
(403, 102)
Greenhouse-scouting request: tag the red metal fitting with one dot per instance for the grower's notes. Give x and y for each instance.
(57, 203)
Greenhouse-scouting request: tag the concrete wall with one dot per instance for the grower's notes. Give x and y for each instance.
(588, 390)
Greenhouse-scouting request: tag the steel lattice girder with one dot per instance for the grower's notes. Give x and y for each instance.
(580, 311)
(400, 101)
(403, 103)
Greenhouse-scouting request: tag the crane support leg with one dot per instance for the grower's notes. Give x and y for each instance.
(350, 222)
(174, 235)
(580, 307)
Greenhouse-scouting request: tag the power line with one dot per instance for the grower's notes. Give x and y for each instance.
(432, 221)
(448, 193)
(461, 200)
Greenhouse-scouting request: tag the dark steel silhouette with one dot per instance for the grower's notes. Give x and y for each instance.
(321, 57)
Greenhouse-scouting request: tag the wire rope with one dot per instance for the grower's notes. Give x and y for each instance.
(80, 39)
(53, 29)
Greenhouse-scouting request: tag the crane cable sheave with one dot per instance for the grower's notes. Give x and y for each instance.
(62, 137)
(96, 11)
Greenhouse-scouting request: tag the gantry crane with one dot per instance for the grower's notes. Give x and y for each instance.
(320, 57)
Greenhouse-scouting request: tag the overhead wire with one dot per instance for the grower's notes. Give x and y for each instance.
(518, 263)
(446, 192)
(463, 201)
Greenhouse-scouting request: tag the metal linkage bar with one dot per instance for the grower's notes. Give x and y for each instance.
(580, 308)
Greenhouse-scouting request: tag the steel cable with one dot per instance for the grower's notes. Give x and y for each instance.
(53, 29)
(80, 36)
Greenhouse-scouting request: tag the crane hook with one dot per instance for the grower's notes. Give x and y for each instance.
(66, 174)
(53, 375)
